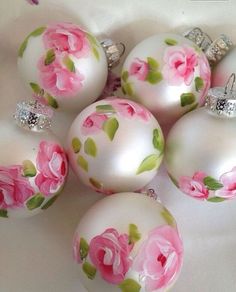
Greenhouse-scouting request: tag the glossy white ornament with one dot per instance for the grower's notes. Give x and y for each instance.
(115, 145)
(200, 149)
(168, 74)
(33, 168)
(64, 64)
(120, 249)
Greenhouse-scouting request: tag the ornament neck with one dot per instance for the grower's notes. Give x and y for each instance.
(33, 116)
(114, 51)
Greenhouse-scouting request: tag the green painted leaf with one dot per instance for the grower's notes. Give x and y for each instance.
(158, 140)
(199, 83)
(22, 48)
(171, 42)
(193, 107)
(90, 147)
(92, 40)
(149, 163)
(89, 270)
(95, 183)
(29, 168)
(96, 53)
(152, 64)
(69, 64)
(35, 202)
(212, 184)
(125, 76)
(3, 213)
(154, 77)
(130, 285)
(49, 203)
(216, 199)
(134, 234)
(168, 217)
(51, 101)
(50, 57)
(123, 90)
(35, 87)
(76, 145)
(127, 89)
(82, 162)
(110, 126)
(105, 108)
(187, 98)
(83, 248)
(38, 31)
(174, 181)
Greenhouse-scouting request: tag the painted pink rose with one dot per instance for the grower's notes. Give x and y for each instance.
(76, 249)
(109, 253)
(160, 258)
(66, 37)
(194, 186)
(93, 123)
(139, 69)
(205, 74)
(180, 62)
(129, 109)
(14, 188)
(52, 165)
(58, 80)
(228, 180)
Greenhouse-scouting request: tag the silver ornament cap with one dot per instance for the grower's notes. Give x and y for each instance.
(114, 51)
(200, 38)
(33, 115)
(222, 100)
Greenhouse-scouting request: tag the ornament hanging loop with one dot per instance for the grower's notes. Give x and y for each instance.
(231, 80)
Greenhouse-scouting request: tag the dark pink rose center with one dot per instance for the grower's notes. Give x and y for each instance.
(232, 187)
(88, 123)
(63, 168)
(162, 259)
(178, 63)
(1, 197)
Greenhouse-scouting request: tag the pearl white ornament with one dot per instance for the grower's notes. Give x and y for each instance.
(117, 247)
(33, 166)
(200, 149)
(115, 145)
(65, 65)
(168, 74)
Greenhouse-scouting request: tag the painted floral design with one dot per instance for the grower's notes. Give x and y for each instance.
(57, 79)
(93, 123)
(194, 186)
(180, 63)
(159, 258)
(109, 253)
(15, 189)
(66, 37)
(139, 69)
(52, 165)
(201, 186)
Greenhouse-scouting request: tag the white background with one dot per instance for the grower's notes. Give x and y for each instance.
(35, 254)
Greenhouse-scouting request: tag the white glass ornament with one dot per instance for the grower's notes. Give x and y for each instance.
(118, 248)
(66, 65)
(115, 145)
(33, 164)
(200, 149)
(168, 74)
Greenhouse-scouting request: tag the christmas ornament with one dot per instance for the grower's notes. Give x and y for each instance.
(66, 65)
(120, 249)
(200, 149)
(33, 165)
(115, 145)
(168, 74)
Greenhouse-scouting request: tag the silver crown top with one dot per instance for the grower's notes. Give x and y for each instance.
(200, 38)
(222, 100)
(32, 115)
(114, 51)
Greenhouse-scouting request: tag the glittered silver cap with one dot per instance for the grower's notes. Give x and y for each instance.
(33, 115)
(114, 51)
(222, 100)
(218, 49)
(200, 38)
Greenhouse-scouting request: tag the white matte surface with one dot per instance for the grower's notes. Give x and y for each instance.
(36, 253)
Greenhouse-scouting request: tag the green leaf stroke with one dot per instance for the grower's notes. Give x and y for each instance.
(90, 147)
(129, 285)
(89, 270)
(35, 202)
(134, 234)
(149, 163)
(212, 184)
(110, 127)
